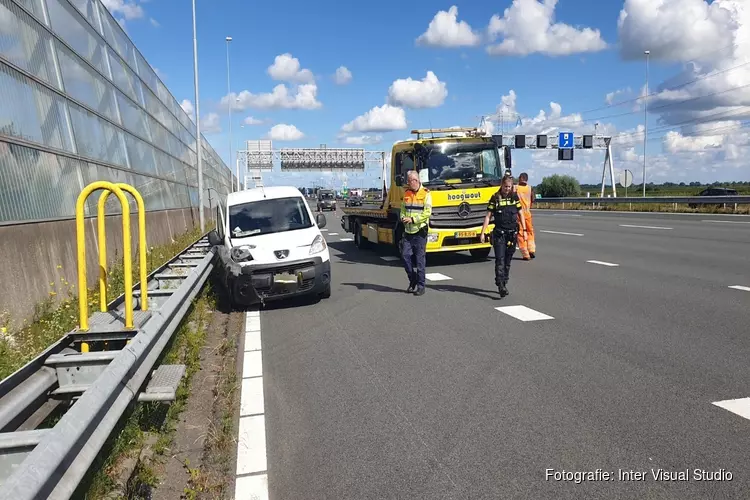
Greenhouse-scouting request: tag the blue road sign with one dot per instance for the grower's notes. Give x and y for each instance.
(565, 141)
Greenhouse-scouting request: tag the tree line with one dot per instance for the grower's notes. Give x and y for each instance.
(560, 186)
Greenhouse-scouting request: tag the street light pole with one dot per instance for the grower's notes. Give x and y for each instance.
(199, 143)
(229, 99)
(645, 123)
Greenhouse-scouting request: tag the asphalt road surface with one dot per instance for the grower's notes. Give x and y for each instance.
(624, 348)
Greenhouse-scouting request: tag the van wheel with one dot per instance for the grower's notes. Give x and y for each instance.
(327, 292)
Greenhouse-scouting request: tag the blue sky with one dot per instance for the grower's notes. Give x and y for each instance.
(569, 52)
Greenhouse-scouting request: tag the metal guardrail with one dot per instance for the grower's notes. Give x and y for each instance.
(696, 200)
(102, 370)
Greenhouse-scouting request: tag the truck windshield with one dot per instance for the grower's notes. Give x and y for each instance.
(464, 161)
(268, 216)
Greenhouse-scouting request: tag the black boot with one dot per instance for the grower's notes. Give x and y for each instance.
(503, 289)
(420, 291)
(412, 284)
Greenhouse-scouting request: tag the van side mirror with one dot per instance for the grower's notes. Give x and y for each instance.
(320, 219)
(213, 238)
(399, 179)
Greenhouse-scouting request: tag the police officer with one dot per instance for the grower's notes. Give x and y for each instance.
(505, 206)
(416, 209)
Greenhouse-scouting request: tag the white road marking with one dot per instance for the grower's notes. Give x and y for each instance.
(252, 488)
(728, 221)
(740, 406)
(602, 263)
(644, 227)
(333, 234)
(559, 232)
(740, 287)
(568, 215)
(437, 277)
(523, 313)
(251, 441)
(390, 258)
(347, 239)
(324, 230)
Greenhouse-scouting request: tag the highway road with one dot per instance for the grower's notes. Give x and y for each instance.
(622, 348)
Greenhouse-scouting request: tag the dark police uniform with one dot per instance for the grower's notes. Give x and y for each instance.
(505, 212)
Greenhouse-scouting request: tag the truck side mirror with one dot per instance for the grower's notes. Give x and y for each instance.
(399, 179)
(213, 238)
(320, 219)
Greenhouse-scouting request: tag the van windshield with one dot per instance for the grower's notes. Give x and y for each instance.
(326, 196)
(268, 216)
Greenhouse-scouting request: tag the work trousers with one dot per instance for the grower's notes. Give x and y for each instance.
(413, 248)
(527, 243)
(504, 245)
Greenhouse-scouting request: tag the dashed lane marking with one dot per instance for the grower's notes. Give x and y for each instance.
(390, 258)
(324, 230)
(739, 407)
(333, 234)
(347, 239)
(645, 227)
(252, 480)
(602, 263)
(728, 221)
(523, 313)
(560, 232)
(437, 277)
(740, 287)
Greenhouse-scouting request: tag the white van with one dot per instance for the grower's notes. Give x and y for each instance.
(270, 246)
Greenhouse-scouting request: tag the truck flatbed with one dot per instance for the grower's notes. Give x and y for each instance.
(373, 210)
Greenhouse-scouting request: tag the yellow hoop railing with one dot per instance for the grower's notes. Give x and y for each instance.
(102, 231)
(83, 310)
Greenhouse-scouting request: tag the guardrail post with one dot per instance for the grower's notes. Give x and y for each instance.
(81, 241)
(142, 262)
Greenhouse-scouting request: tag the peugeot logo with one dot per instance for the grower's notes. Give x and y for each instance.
(281, 254)
(464, 209)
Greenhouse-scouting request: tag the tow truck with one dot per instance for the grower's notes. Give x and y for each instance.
(462, 168)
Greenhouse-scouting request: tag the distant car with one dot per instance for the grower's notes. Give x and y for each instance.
(353, 201)
(270, 246)
(714, 191)
(326, 200)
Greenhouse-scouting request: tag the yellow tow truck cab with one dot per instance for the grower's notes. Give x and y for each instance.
(461, 167)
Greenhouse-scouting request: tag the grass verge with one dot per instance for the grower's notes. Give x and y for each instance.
(643, 207)
(54, 317)
(125, 469)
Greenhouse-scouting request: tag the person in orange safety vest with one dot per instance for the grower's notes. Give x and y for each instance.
(526, 240)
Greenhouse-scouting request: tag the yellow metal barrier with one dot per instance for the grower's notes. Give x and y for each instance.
(102, 230)
(83, 309)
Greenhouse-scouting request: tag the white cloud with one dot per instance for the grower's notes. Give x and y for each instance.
(129, 10)
(362, 140)
(279, 98)
(445, 30)
(610, 97)
(286, 68)
(528, 27)
(284, 132)
(700, 109)
(210, 124)
(429, 92)
(154, 22)
(252, 121)
(343, 75)
(187, 107)
(385, 118)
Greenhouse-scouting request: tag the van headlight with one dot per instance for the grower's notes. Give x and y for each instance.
(242, 253)
(318, 245)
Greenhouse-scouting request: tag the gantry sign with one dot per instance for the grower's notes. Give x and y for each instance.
(565, 143)
(260, 156)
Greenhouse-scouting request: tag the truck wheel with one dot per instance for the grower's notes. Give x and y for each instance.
(358, 235)
(480, 253)
(399, 238)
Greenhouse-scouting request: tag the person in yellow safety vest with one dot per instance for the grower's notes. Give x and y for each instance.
(416, 209)
(526, 240)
